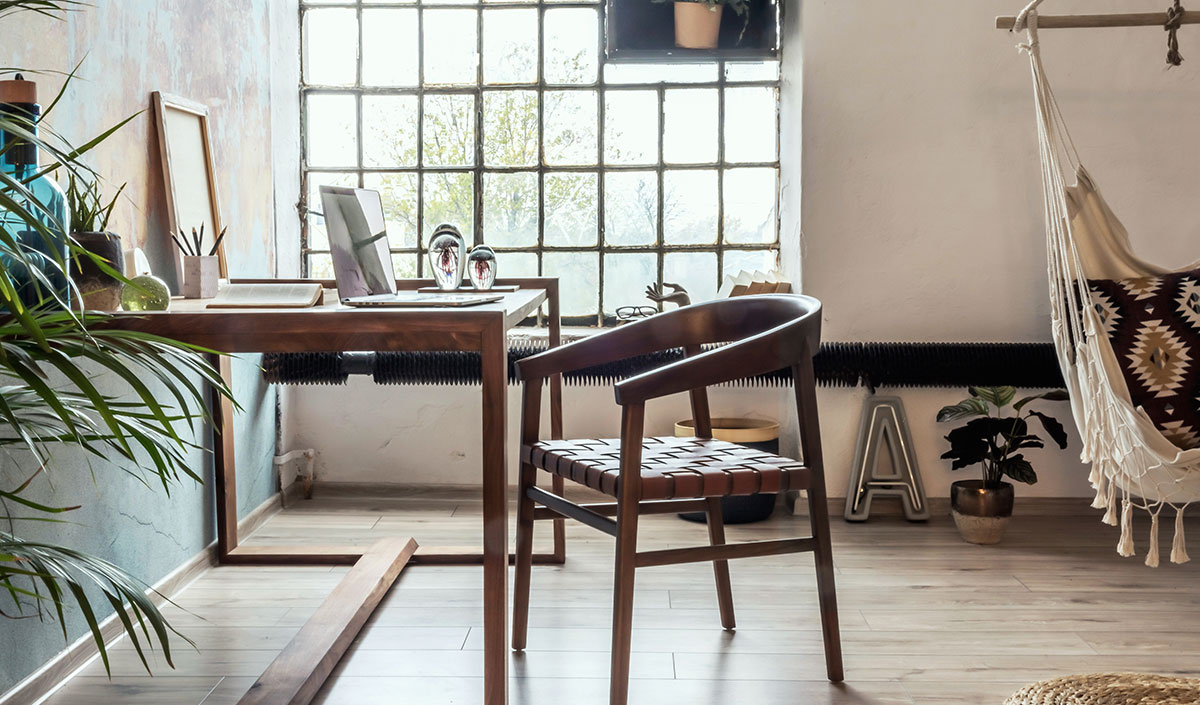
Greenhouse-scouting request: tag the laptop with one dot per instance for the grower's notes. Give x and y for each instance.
(362, 262)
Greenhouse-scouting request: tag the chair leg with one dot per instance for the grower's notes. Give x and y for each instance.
(818, 512)
(560, 525)
(622, 629)
(525, 507)
(716, 537)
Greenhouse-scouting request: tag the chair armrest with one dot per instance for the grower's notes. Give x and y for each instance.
(763, 353)
(662, 332)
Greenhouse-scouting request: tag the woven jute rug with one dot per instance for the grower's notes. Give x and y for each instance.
(1110, 689)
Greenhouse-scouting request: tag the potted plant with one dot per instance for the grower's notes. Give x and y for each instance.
(89, 216)
(698, 22)
(994, 440)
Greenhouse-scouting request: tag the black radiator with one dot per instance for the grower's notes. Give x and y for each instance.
(1032, 365)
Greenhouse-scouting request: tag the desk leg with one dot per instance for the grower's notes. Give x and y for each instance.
(224, 464)
(495, 515)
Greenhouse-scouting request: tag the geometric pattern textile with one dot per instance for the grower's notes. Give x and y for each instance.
(1153, 324)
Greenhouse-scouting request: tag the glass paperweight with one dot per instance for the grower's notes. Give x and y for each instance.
(481, 267)
(145, 293)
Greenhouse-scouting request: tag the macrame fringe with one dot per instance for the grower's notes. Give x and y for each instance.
(1125, 547)
(1179, 547)
(1152, 554)
(1101, 484)
(1110, 516)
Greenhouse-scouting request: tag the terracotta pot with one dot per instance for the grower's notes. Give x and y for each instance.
(697, 25)
(981, 513)
(101, 292)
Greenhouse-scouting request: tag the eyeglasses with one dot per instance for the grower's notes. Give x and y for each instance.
(626, 313)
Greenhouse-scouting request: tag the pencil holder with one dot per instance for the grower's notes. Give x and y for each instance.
(200, 276)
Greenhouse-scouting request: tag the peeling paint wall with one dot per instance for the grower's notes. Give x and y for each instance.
(239, 57)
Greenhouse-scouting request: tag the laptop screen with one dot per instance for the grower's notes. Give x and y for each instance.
(362, 262)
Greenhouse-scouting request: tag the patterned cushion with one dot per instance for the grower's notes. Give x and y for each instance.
(1154, 326)
(672, 468)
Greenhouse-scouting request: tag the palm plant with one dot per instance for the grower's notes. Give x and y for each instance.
(49, 357)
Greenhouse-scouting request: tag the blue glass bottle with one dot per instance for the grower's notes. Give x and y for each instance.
(47, 251)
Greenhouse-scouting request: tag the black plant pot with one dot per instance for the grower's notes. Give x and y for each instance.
(980, 512)
(100, 290)
(760, 435)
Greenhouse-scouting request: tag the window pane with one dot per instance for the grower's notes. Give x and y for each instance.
(578, 279)
(389, 130)
(331, 136)
(318, 236)
(389, 47)
(399, 195)
(516, 264)
(570, 210)
(510, 46)
(737, 261)
(626, 276)
(631, 127)
(449, 138)
(320, 266)
(690, 126)
(449, 198)
(694, 271)
(451, 55)
(750, 198)
(330, 47)
(570, 128)
(752, 71)
(510, 128)
(404, 264)
(660, 73)
(631, 208)
(510, 209)
(572, 45)
(750, 124)
(690, 207)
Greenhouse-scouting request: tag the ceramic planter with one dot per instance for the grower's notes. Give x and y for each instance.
(99, 290)
(981, 513)
(200, 275)
(697, 25)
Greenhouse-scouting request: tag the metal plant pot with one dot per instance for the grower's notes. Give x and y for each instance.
(752, 433)
(697, 25)
(101, 292)
(981, 513)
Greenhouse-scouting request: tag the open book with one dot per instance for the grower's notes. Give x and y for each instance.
(281, 295)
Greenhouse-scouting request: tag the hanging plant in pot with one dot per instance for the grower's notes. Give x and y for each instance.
(982, 508)
(698, 22)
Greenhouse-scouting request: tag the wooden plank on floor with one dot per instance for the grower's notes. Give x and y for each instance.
(294, 555)
(298, 673)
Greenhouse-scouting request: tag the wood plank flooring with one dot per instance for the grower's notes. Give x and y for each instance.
(926, 619)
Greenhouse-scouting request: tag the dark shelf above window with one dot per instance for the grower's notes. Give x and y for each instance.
(644, 31)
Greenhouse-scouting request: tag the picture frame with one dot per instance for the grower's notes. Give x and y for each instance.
(189, 174)
(643, 31)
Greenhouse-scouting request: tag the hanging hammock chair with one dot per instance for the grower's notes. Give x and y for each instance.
(1128, 339)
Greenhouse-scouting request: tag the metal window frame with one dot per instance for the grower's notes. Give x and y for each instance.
(660, 248)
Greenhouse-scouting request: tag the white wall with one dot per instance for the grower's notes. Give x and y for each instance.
(911, 207)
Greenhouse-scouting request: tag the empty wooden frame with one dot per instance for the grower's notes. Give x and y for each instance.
(188, 173)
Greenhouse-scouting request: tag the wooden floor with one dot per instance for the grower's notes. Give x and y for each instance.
(925, 618)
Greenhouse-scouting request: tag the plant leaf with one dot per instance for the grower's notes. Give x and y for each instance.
(1053, 427)
(1019, 469)
(998, 396)
(1052, 395)
(967, 408)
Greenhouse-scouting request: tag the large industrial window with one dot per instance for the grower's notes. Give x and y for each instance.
(505, 119)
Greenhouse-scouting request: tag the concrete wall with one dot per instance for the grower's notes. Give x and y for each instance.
(221, 53)
(911, 207)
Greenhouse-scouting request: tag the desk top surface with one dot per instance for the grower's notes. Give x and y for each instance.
(333, 327)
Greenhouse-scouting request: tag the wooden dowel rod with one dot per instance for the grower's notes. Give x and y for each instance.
(1135, 19)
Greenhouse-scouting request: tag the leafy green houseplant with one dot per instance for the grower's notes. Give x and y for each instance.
(994, 440)
(90, 215)
(51, 398)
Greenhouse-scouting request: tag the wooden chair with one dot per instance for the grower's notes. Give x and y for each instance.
(661, 475)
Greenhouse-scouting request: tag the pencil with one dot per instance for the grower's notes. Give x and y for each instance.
(217, 242)
(180, 244)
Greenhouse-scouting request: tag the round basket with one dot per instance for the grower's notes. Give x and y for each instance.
(1110, 689)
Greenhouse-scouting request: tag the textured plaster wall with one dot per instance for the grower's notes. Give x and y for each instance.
(221, 53)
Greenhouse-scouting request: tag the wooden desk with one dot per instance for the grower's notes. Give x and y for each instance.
(335, 328)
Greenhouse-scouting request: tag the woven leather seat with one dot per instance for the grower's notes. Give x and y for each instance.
(672, 468)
